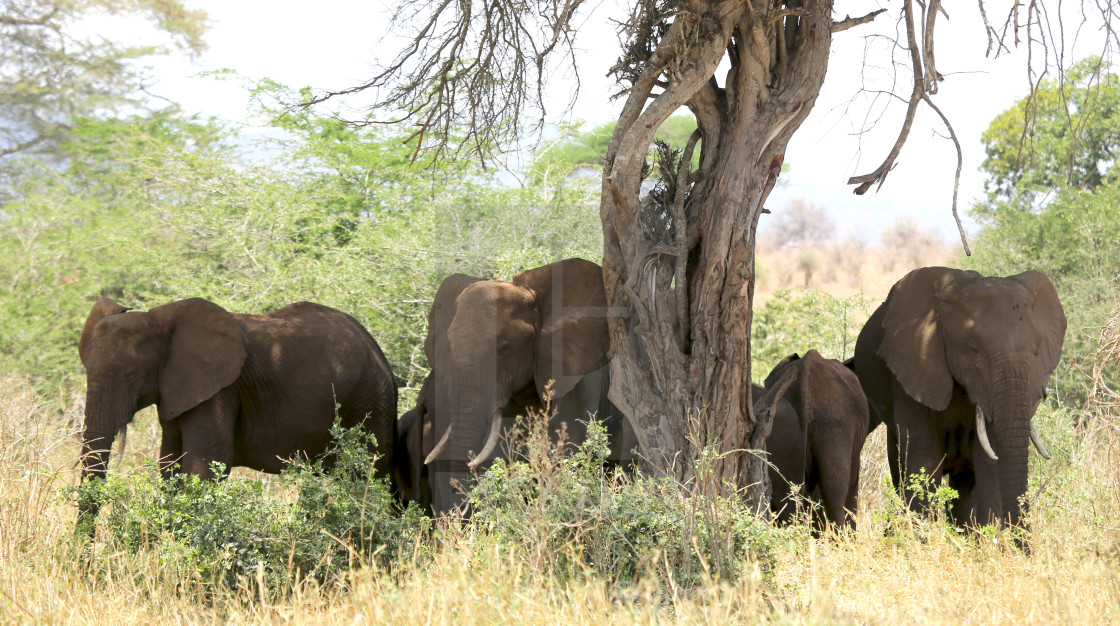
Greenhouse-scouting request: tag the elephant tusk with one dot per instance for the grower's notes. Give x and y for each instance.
(439, 446)
(1036, 439)
(491, 440)
(124, 441)
(982, 434)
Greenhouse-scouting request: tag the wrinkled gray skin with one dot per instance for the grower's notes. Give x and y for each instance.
(493, 347)
(243, 390)
(947, 353)
(816, 441)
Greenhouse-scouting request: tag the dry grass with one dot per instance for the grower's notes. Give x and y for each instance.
(920, 573)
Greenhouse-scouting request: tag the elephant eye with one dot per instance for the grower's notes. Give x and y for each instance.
(503, 349)
(972, 349)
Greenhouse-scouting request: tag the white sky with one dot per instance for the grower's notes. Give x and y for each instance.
(334, 44)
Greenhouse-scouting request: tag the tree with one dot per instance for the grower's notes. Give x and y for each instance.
(679, 294)
(1065, 134)
(800, 224)
(52, 74)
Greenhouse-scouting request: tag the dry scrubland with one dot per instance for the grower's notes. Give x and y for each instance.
(917, 572)
(800, 245)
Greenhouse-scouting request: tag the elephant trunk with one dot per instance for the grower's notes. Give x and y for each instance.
(464, 415)
(1013, 428)
(103, 420)
(1014, 444)
(95, 460)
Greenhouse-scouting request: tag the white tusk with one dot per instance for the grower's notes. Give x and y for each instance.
(120, 449)
(439, 446)
(491, 440)
(982, 434)
(1036, 439)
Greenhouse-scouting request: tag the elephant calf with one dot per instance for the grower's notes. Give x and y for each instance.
(817, 443)
(243, 390)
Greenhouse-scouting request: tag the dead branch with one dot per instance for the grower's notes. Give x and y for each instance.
(22, 146)
(851, 22)
(879, 174)
(472, 74)
(957, 176)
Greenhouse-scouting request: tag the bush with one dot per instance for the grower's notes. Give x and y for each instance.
(796, 320)
(315, 523)
(572, 514)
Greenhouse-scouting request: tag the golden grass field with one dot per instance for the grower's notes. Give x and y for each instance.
(919, 573)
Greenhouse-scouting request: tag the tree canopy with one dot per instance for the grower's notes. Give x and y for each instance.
(1064, 135)
(53, 71)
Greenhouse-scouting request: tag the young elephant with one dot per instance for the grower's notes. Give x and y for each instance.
(243, 390)
(817, 445)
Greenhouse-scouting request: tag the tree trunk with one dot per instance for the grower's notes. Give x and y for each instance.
(691, 388)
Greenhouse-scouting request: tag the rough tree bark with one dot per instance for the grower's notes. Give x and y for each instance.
(682, 374)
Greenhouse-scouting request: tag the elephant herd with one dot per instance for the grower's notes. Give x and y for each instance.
(954, 363)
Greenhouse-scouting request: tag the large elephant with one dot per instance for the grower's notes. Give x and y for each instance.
(955, 364)
(243, 390)
(493, 347)
(817, 442)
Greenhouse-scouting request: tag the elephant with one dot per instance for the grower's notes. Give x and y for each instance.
(817, 441)
(494, 347)
(241, 390)
(956, 364)
(415, 439)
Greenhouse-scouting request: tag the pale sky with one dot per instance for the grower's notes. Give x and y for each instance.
(334, 44)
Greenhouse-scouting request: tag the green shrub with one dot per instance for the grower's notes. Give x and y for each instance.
(315, 522)
(568, 514)
(797, 320)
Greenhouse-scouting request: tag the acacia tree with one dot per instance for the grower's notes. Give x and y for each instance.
(53, 72)
(678, 264)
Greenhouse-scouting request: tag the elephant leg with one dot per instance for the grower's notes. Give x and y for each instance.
(207, 433)
(170, 449)
(834, 473)
(920, 445)
(963, 508)
(851, 502)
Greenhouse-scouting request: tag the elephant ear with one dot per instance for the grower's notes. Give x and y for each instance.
(205, 352)
(913, 345)
(1049, 317)
(442, 312)
(103, 308)
(573, 338)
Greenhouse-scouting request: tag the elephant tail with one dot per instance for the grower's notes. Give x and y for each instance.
(768, 403)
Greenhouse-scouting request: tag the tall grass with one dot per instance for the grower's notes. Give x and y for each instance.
(920, 571)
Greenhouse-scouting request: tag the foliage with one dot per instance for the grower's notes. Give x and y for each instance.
(797, 320)
(52, 73)
(574, 513)
(235, 531)
(1071, 139)
(156, 207)
(575, 148)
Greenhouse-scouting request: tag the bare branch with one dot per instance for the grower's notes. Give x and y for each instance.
(850, 22)
(922, 83)
(22, 146)
(16, 20)
(472, 75)
(957, 177)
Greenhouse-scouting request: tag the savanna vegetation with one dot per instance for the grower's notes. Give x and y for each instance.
(151, 205)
